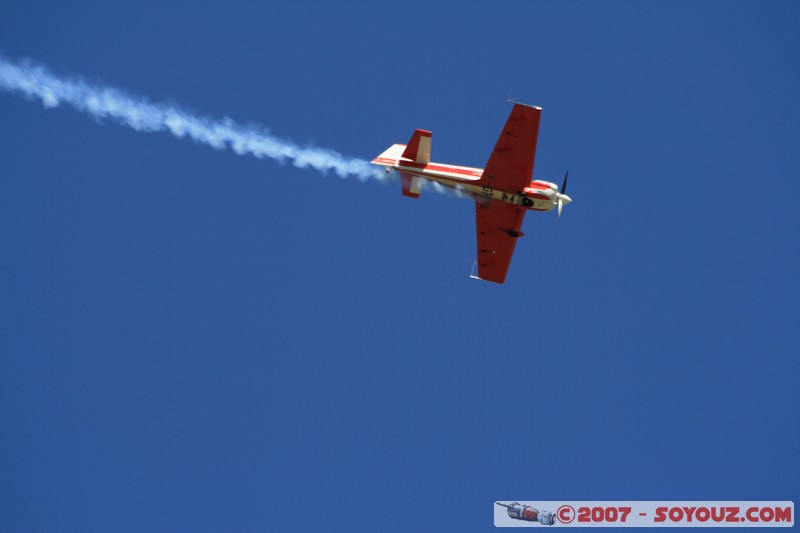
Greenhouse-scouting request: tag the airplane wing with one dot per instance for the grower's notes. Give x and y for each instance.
(498, 226)
(510, 166)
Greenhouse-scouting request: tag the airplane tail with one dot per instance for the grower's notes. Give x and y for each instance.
(419, 147)
(417, 150)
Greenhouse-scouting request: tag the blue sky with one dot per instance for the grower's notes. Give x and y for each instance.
(192, 340)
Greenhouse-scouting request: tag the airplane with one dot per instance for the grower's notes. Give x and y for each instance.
(503, 191)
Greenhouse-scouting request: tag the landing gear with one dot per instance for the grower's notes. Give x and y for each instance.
(527, 202)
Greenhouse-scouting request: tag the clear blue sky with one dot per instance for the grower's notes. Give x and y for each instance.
(192, 340)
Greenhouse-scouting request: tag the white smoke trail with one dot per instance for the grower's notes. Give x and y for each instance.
(37, 82)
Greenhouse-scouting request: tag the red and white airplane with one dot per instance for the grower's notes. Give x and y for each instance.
(503, 191)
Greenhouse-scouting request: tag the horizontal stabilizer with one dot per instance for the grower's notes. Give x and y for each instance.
(390, 156)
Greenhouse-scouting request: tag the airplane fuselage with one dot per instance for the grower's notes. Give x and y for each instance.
(537, 196)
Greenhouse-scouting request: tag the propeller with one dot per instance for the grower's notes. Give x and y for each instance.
(563, 199)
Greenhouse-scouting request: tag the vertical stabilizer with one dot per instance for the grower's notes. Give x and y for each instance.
(419, 147)
(412, 185)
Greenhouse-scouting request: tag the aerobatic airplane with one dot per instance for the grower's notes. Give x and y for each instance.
(503, 191)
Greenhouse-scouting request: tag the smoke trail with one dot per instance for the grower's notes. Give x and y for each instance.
(37, 82)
